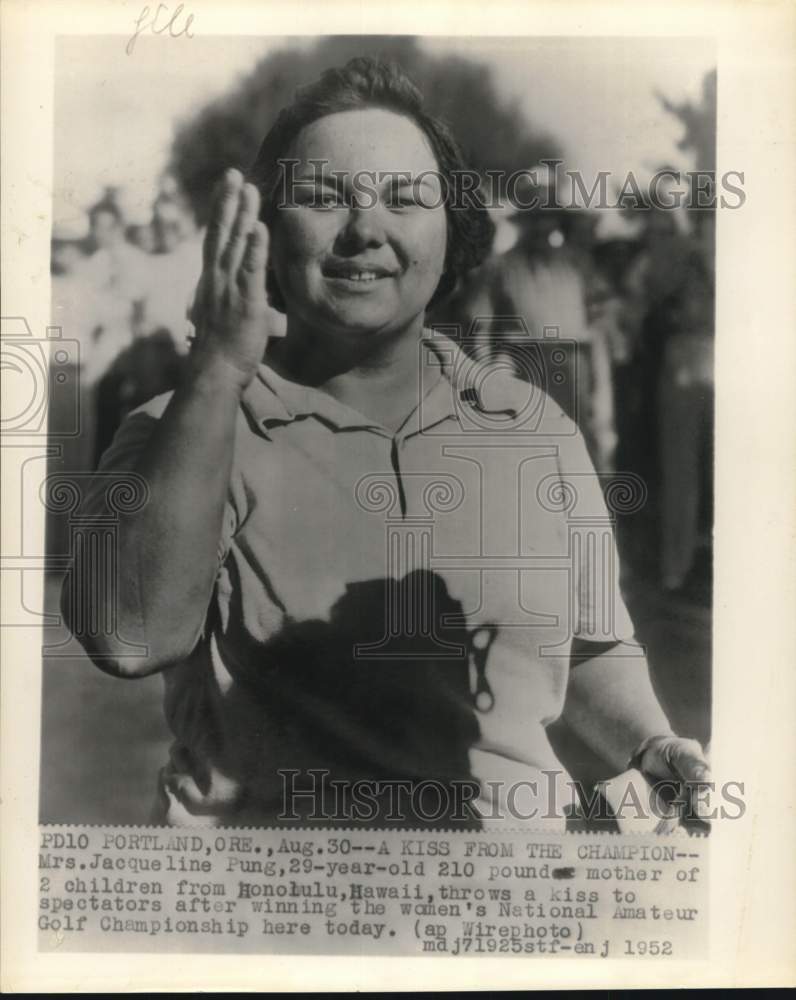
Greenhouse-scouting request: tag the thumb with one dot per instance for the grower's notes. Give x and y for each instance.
(676, 757)
(688, 761)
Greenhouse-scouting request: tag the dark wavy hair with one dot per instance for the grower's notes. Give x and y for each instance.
(365, 82)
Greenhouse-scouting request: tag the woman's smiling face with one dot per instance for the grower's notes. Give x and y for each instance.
(361, 247)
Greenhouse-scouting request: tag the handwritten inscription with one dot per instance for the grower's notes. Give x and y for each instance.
(161, 22)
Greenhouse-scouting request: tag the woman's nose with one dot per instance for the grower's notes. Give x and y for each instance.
(364, 227)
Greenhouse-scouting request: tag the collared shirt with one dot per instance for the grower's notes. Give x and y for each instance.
(390, 606)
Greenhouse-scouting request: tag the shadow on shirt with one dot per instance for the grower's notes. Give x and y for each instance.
(381, 692)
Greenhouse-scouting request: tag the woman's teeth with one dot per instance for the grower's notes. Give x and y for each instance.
(361, 276)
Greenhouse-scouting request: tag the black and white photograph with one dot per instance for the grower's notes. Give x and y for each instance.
(421, 492)
(376, 464)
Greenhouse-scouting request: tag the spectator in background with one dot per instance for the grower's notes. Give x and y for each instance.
(616, 310)
(73, 311)
(678, 287)
(544, 281)
(162, 283)
(71, 293)
(142, 236)
(174, 270)
(117, 274)
(148, 367)
(685, 415)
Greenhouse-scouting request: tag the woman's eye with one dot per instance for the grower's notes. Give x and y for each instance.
(412, 198)
(320, 200)
(405, 199)
(328, 199)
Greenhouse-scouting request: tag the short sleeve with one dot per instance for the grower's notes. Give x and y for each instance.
(599, 613)
(117, 466)
(116, 473)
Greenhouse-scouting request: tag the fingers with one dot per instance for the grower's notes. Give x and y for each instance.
(251, 275)
(222, 216)
(236, 244)
(248, 210)
(229, 310)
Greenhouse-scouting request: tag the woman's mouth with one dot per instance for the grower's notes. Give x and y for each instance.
(361, 274)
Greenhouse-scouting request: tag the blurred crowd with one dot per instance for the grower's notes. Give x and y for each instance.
(122, 291)
(622, 315)
(619, 310)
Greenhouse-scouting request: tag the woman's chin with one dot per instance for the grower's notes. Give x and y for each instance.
(364, 319)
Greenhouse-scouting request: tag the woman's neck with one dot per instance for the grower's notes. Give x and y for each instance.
(376, 376)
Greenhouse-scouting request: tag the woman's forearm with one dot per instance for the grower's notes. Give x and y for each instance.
(168, 551)
(611, 704)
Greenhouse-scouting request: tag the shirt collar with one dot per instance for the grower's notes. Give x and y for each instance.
(271, 399)
(488, 385)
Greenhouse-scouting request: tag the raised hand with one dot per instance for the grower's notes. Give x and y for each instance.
(230, 310)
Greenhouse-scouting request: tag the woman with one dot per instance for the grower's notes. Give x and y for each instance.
(331, 569)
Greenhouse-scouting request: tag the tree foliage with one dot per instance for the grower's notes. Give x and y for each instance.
(699, 123)
(494, 134)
